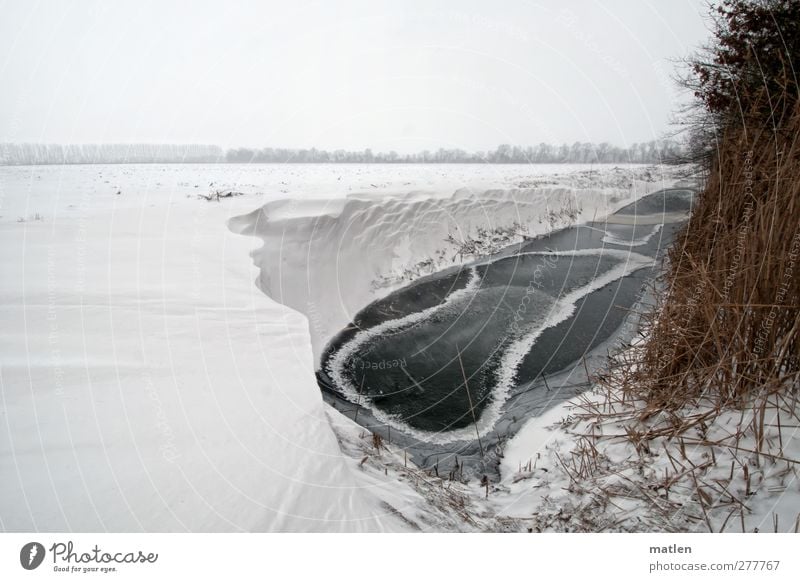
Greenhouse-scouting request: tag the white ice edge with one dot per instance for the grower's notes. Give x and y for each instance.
(611, 239)
(563, 308)
(337, 363)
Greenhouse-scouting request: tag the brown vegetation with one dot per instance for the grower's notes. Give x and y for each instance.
(729, 321)
(728, 324)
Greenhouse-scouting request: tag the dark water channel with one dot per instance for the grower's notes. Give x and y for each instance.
(505, 323)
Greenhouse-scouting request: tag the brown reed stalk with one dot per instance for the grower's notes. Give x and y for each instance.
(727, 326)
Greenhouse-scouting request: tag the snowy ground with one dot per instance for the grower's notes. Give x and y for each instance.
(592, 464)
(147, 384)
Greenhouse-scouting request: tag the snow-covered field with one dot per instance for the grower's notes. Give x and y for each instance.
(147, 383)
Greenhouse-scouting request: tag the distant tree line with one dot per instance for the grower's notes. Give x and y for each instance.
(652, 152)
(32, 153)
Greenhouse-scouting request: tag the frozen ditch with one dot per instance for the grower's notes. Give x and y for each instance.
(533, 312)
(527, 313)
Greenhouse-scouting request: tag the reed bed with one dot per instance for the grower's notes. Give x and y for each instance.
(727, 326)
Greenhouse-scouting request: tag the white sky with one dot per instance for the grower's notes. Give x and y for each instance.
(403, 75)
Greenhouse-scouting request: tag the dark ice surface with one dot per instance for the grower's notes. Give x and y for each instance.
(414, 372)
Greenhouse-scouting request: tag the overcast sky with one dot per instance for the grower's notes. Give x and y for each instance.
(403, 75)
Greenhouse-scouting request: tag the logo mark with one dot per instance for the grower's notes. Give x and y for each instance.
(31, 555)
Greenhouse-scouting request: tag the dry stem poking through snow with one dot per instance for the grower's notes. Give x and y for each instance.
(698, 468)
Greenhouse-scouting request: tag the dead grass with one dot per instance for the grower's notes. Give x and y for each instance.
(728, 325)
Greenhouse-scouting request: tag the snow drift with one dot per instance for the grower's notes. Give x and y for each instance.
(323, 258)
(145, 383)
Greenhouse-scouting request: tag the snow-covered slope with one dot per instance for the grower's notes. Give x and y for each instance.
(327, 258)
(145, 382)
